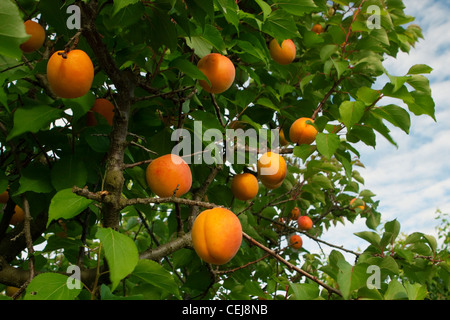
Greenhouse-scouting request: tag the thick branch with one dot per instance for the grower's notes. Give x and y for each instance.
(168, 248)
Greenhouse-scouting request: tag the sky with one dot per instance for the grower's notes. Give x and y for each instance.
(411, 181)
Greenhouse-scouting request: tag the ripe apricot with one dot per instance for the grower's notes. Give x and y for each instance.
(169, 173)
(283, 54)
(272, 169)
(4, 197)
(37, 37)
(295, 241)
(295, 213)
(302, 132)
(244, 186)
(18, 216)
(72, 76)
(283, 141)
(103, 107)
(317, 28)
(216, 235)
(304, 223)
(219, 70)
(353, 205)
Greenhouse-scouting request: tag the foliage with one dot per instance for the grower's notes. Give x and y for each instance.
(83, 188)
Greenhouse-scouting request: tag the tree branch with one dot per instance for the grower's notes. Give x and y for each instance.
(290, 265)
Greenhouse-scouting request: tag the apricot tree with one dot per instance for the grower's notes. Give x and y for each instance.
(92, 227)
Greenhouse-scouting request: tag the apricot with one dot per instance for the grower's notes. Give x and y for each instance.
(353, 205)
(11, 291)
(283, 140)
(4, 197)
(317, 28)
(103, 107)
(271, 169)
(216, 235)
(36, 39)
(295, 241)
(295, 213)
(283, 54)
(219, 70)
(304, 223)
(244, 186)
(70, 74)
(302, 132)
(18, 216)
(169, 173)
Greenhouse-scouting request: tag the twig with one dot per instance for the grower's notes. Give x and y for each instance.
(290, 265)
(217, 108)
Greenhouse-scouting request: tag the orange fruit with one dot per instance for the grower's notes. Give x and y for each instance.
(219, 70)
(317, 28)
(304, 223)
(37, 37)
(272, 169)
(362, 206)
(18, 216)
(283, 54)
(295, 213)
(169, 173)
(216, 235)
(244, 186)
(283, 141)
(4, 197)
(103, 107)
(295, 241)
(70, 77)
(302, 132)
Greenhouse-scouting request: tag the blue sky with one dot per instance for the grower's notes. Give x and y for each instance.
(413, 180)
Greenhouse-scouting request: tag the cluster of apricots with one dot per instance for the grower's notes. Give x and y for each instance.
(217, 232)
(304, 223)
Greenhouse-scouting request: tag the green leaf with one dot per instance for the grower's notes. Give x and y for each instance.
(52, 286)
(33, 119)
(303, 151)
(396, 115)
(431, 242)
(280, 25)
(370, 236)
(66, 204)
(120, 4)
(415, 291)
(188, 68)
(367, 95)
(395, 291)
(305, 291)
(266, 9)
(351, 112)
(154, 274)
(350, 278)
(327, 143)
(163, 30)
(229, 9)
(419, 68)
(423, 104)
(297, 7)
(120, 252)
(327, 51)
(36, 178)
(68, 172)
(12, 30)
(341, 67)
